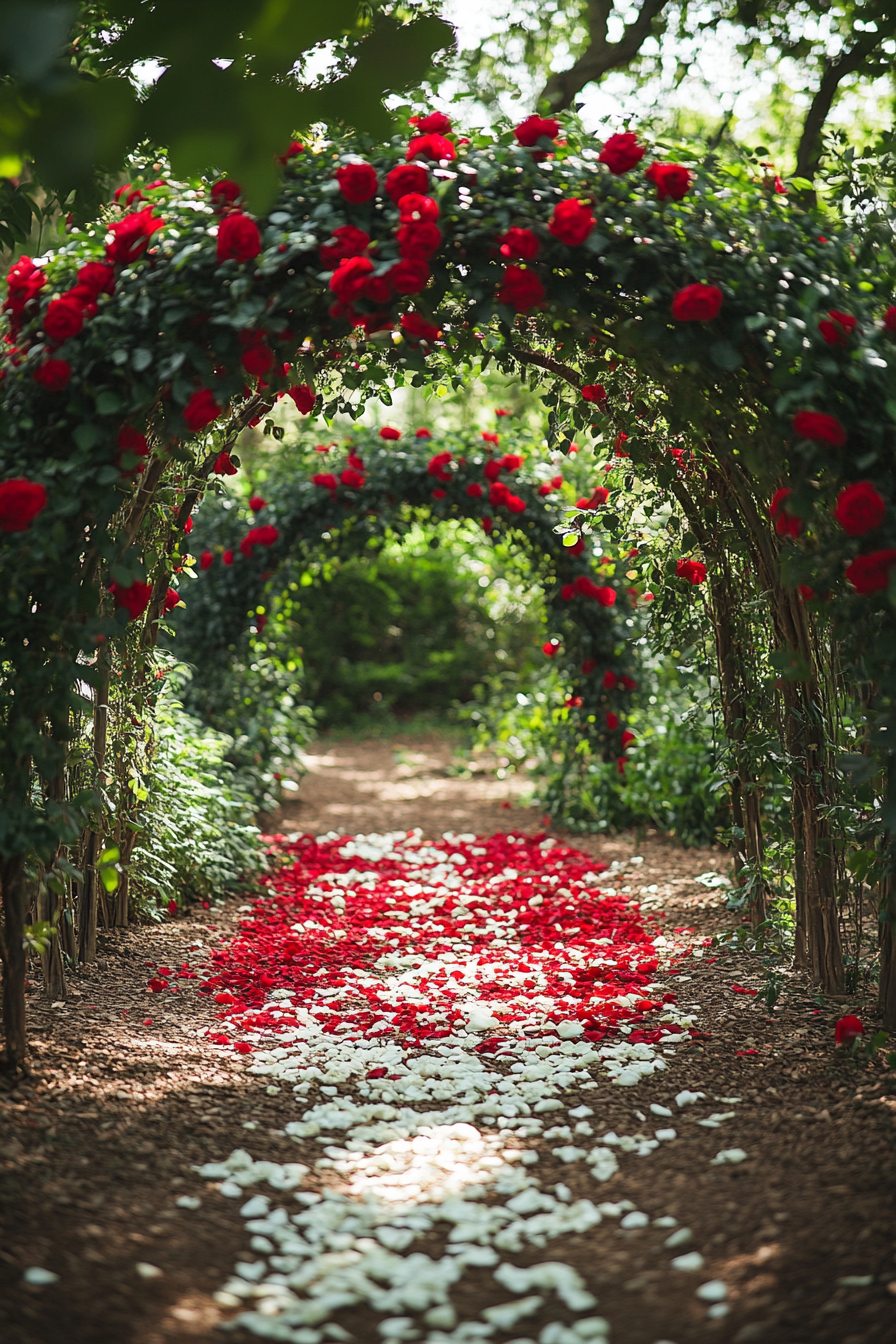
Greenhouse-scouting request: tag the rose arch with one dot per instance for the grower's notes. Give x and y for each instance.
(657, 302)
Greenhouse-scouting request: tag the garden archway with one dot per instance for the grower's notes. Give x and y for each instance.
(126, 347)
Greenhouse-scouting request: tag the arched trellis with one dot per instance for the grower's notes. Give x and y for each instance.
(127, 346)
(373, 487)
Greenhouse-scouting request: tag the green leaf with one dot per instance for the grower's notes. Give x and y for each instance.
(87, 436)
(725, 356)
(107, 403)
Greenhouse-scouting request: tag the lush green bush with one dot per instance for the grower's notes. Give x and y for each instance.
(197, 837)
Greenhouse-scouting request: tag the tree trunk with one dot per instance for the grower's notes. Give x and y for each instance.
(886, 991)
(89, 907)
(12, 954)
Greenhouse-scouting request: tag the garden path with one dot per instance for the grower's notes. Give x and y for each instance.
(416, 1113)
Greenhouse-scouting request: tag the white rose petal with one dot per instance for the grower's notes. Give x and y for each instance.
(688, 1263)
(732, 1155)
(714, 1291)
(38, 1277)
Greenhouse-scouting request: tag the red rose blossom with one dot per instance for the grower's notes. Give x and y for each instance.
(408, 276)
(672, 180)
(418, 240)
(357, 182)
(431, 147)
(594, 392)
(697, 303)
(225, 192)
(206, 560)
(24, 282)
(295, 148)
(621, 152)
(837, 328)
(521, 289)
(20, 503)
(860, 509)
(474, 490)
(346, 241)
(64, 318)
(348, 280)
(848, 1029)
(406, 179)
(224, 467)
(423, 433)
(238, 238)
(571, 222)
(257, 359)
(353, 479)
(131, 235)
(387, 432)
(820, 428)
(786, 524)
(487, 524)
(535, 128)
(200, 410)
(693, 571)
(172, 598)
(519, 245)
(869, 573)
(53, 374)
(304, 398)
(97, 277)
(135, 598)
(415, 206)
(418, 327)
(326, 480)
(434, 123)
(890, 320)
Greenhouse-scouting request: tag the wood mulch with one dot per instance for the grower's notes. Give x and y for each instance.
(127, 1095)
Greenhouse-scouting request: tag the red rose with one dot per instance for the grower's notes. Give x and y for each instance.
(848, 1029)
(206, 560)
(346, 241)
(418, 327)
(487, 525)
(519, 245)
(172, 597)
(612, 721)
(860, 508)
(568, 592)
(304, 398)
(497, 494)
(357, 182)
(820, 428)
(786, 524)
(295, 148)
(262, 536)
(437, 464)
(227, 558)
(348, 280)
(224, 467)
(595, 392)
(258, 359)
(490, 437)
(697, 303)
(53, 374)
(64, 318)
(326, 481)
(692, 571)
(609, 679)
(353, 479)
(131, 441)
(511, 461)
(474, 490)
(134, 599)
(627, 682)
(418, 240)
(431, 147)
(388, 433)
(24, 282)
(439, 494)
(238, 238)
(97, 277)
(130, 236)
(627, 739)
(200, 410)
(672, 180)
(20, 503)
(890, 320)
(415, 206)
(406, 179)
(434, 123)
(423, 434)
(533, 128)
(129, 193)
(571, 222)
(585, 587)
(514, 504)
(837, 328)
(521, 289)
(377, 289)
(550, 649)
(225, 192)
(355, 461)
(408, 276)
(256, 503)
(621, 152)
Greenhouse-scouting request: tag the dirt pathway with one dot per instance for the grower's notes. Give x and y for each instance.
(130, 1095)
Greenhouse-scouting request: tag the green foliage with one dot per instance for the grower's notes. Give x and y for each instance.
(196, 837)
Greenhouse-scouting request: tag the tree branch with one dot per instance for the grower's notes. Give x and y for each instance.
(600, 55)
(847, 63)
